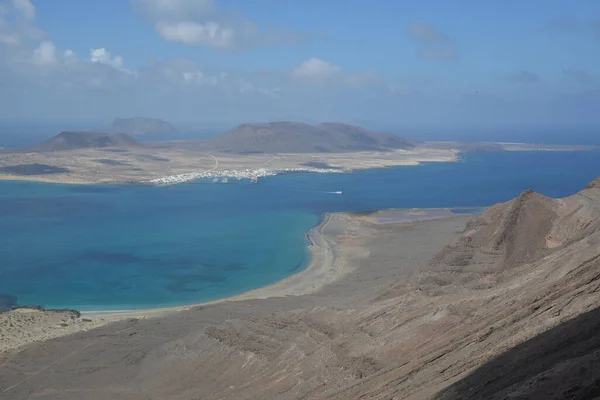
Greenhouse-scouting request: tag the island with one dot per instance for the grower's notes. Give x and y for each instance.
(249, 151)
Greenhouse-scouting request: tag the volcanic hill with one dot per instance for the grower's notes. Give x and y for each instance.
(70, 140)
(297, 137)
(142, 126)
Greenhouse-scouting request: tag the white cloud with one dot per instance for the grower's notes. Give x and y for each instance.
(17, 22)
(209, 33)
(45, 55)
(194, 22)
(247, 87)
(9, 39)
(316, 69)
(198, 78)
(320, 71)
(103, 56)
(202, 23)
(175, 9)
(274, 92)
(25, 9)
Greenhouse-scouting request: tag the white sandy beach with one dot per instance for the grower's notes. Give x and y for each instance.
(23, 326)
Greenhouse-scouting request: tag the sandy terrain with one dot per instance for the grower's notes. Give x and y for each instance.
(26, 325)
(331, 246)
(138, 164)
(508, 308)
(342, 273)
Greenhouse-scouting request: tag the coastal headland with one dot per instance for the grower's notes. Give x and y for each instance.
(502, 304)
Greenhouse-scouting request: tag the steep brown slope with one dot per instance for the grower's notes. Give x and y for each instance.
(355, 137)
(84, 139)
(296, 137)
(504, 237)
(493, 315)
(524, 267)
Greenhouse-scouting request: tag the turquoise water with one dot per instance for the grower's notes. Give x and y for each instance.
(126, 247)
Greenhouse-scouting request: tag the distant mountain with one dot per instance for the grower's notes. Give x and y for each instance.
(143, 126)
(84, 139)
(297, 137)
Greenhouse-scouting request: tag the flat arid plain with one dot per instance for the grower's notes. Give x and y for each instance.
(148, 161)
(139, 164)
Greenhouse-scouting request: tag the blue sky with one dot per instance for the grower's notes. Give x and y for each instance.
(401, 63)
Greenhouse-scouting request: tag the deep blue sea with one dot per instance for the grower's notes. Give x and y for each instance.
(132, 247)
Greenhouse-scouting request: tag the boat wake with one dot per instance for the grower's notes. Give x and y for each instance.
(338, 192)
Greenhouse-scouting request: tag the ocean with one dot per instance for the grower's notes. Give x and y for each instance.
(102, 247)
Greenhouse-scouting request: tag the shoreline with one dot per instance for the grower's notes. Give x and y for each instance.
(298, 284)
(250, 167)
(322, 264)
(233, 174)
(33, 325)
(335, 245)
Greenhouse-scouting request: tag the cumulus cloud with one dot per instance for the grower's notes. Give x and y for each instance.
(209, 33)
(176, 9)
(36, 67)
(26, 9)
(316, 69)
(17, 23)
(31, 58)
(432, 43)
(103, 56)
(184, 76)
(45, 55)
(202, 23)
(9, 39)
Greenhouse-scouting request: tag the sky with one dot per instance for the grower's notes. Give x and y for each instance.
(461, 63)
